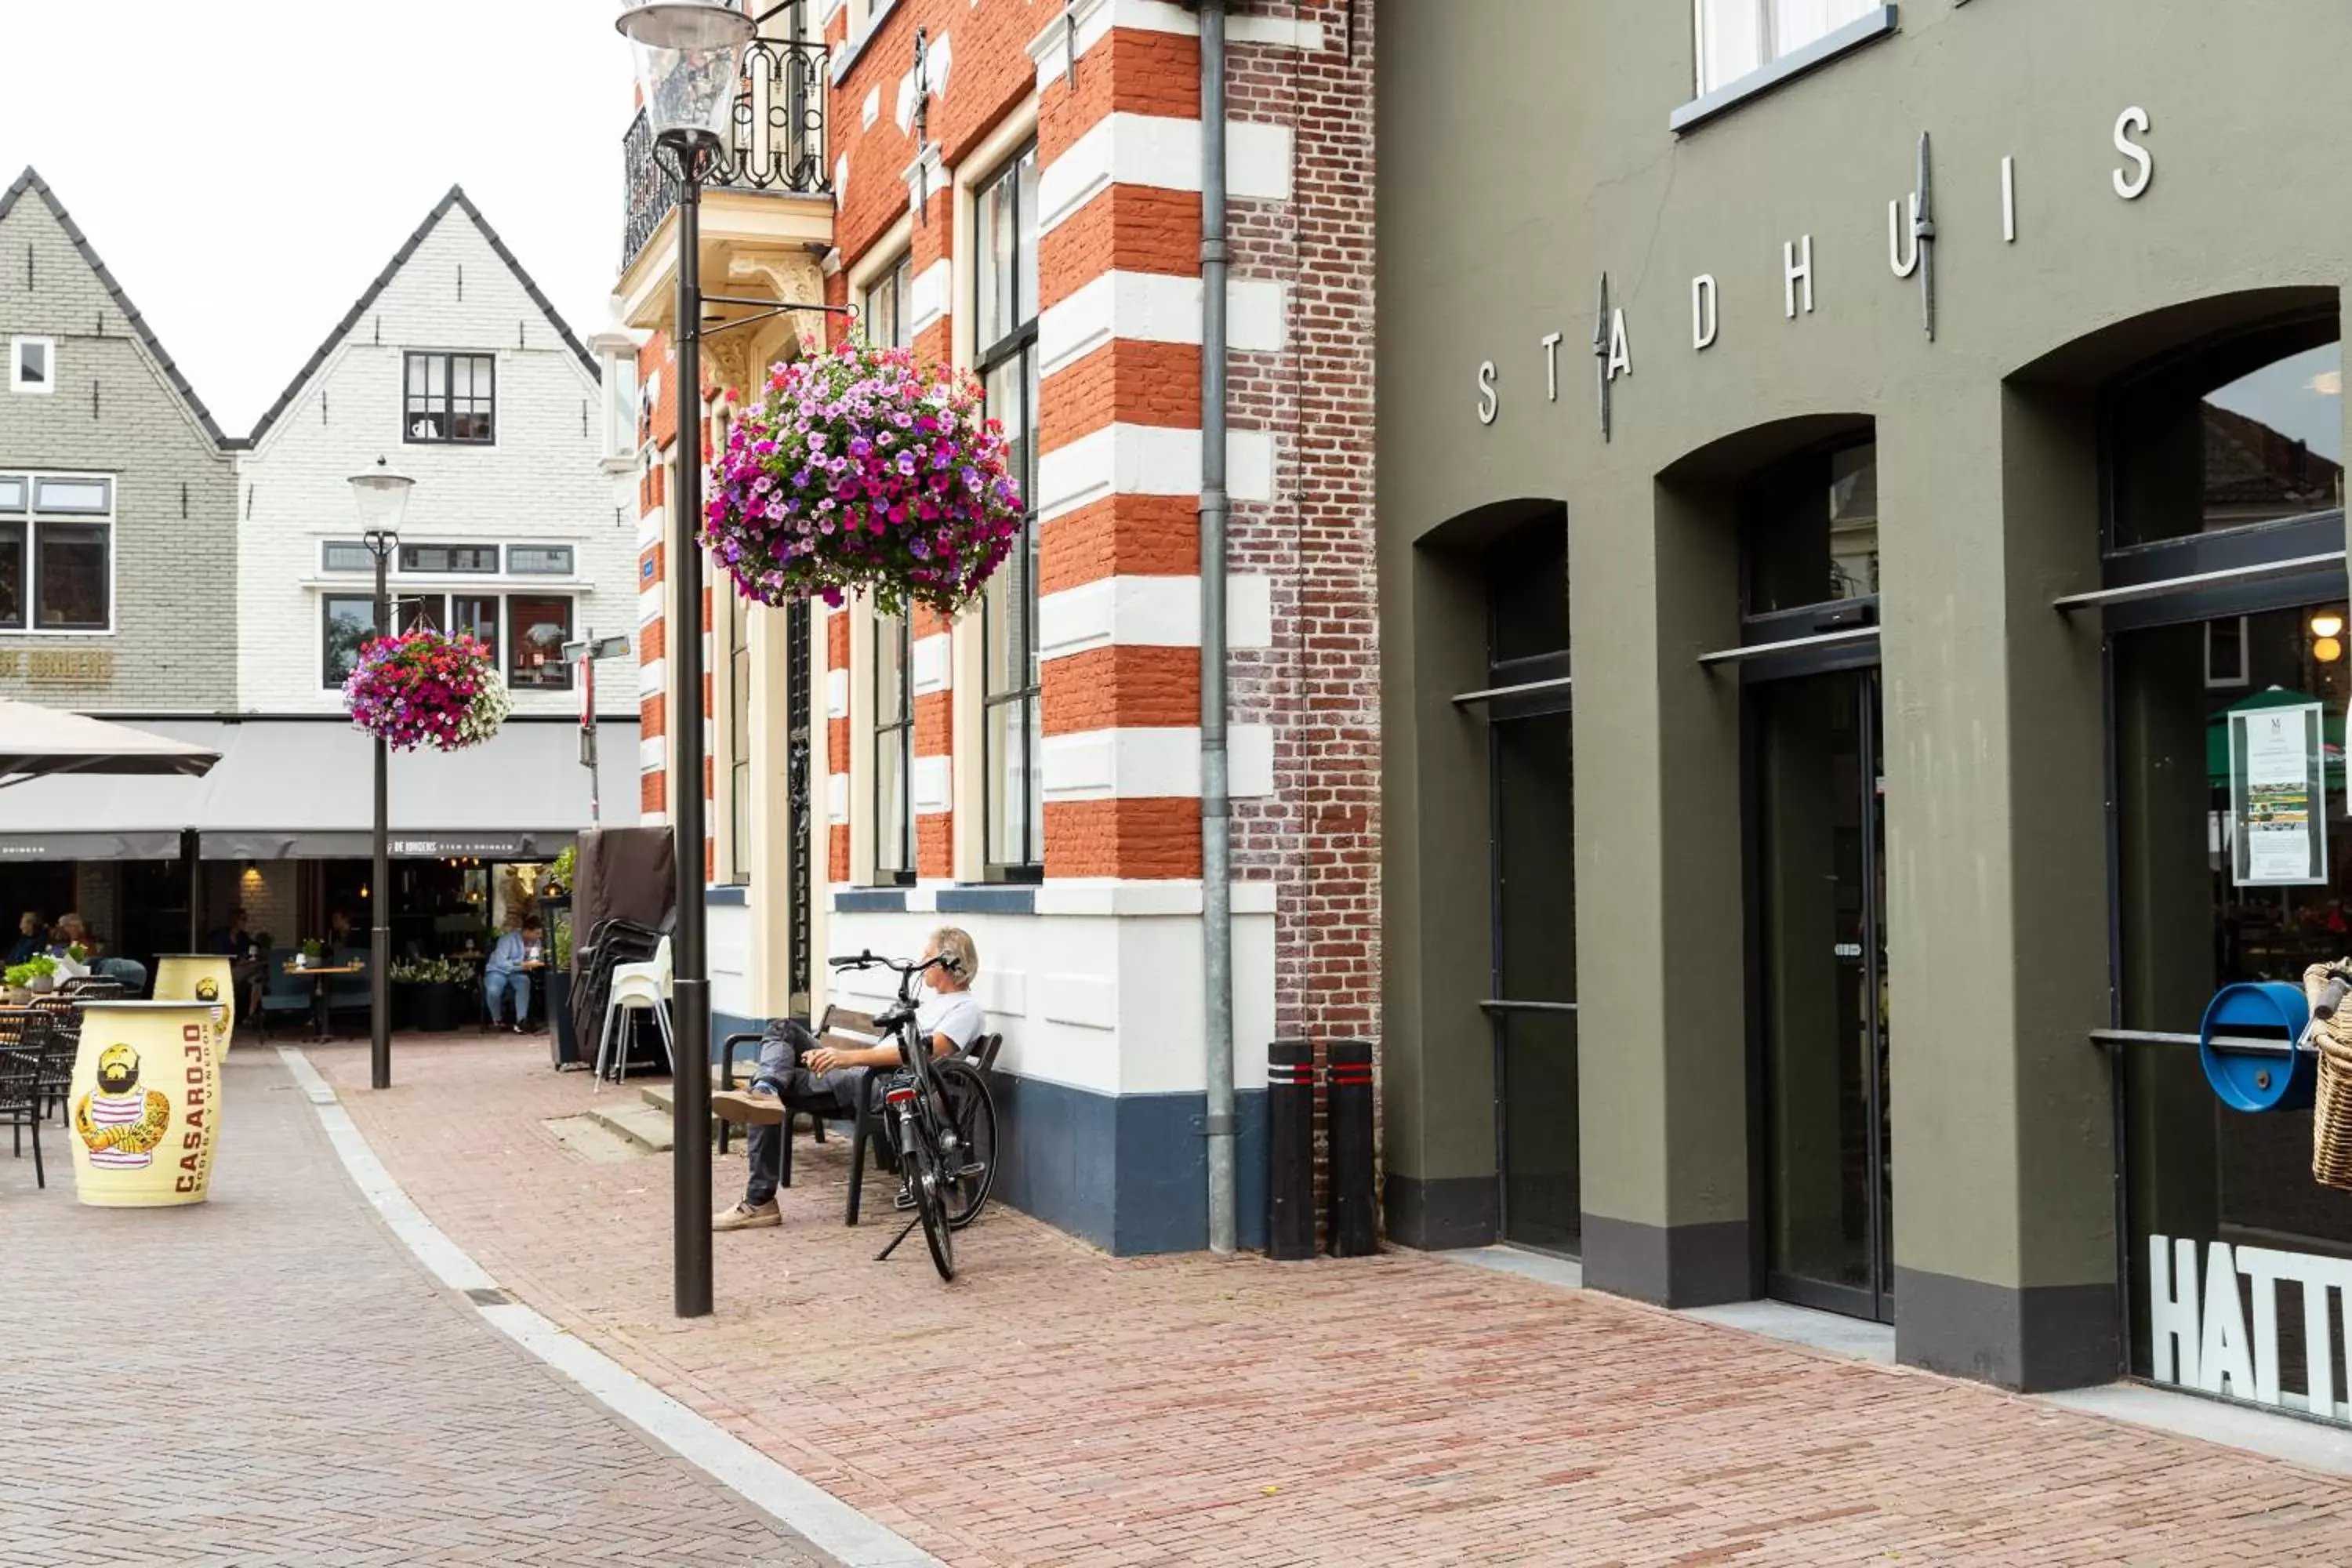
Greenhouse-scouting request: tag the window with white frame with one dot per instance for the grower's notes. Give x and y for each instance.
(619, 408)
(1736, 37)
(56, 553)
(738, 611)
(894, 750)
(1005, 332)
(32, 364)
(889, 308)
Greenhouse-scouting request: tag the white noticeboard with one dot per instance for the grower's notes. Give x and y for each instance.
(2278, 797)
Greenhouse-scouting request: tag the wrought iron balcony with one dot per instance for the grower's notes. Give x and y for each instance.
(778, 142)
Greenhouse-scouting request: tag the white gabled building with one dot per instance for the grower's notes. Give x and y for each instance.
(455, 367)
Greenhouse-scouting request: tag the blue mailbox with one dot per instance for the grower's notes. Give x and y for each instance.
(2273, 1075)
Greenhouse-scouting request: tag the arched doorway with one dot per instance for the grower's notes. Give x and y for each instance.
(2223, 610)
(1815, 788)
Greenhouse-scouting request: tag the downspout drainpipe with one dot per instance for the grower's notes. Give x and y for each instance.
(1216, 823)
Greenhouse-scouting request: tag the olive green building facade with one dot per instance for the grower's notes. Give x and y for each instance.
(1940, 414)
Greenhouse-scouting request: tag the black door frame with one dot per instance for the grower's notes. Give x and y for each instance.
(1540, 688)
(1875, 1303)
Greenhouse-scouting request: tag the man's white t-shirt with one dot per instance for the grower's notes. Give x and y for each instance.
(957, 1014)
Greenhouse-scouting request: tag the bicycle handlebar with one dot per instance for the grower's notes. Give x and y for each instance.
(2331, 998)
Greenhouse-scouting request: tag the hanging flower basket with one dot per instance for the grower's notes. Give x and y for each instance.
(426, 689)
(856, 469)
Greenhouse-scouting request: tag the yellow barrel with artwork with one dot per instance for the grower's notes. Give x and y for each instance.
(202, 977)
(145, 1104)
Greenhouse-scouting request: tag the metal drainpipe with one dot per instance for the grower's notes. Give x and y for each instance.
(1216, 823)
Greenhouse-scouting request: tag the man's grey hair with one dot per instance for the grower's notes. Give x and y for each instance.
(956, 943)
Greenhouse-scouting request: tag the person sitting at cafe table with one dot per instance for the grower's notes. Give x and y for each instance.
(340, 935)
(508, 972)
(29, 939)
(71, 932)
(235, 942)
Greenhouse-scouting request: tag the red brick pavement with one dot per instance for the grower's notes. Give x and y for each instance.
(269, 1378)
(1060, 1406)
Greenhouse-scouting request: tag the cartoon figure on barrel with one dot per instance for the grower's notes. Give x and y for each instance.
(118, 1122)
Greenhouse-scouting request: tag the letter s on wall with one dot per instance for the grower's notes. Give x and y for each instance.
(1486, 400)
(2131, 187)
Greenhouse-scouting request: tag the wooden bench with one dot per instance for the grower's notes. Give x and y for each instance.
(841, 1028)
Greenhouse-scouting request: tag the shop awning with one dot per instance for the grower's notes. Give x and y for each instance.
(297, 789)
(102, 816)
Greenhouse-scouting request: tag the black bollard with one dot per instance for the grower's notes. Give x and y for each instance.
(1290, 1150)
(1349, 1111)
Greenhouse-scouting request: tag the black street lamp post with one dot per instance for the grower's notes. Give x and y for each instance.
(690, 73)
(687, 70)
(383, 496)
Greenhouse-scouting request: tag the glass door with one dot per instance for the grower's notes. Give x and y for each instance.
(1820, 903)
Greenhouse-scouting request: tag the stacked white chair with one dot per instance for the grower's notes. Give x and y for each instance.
(635, 985)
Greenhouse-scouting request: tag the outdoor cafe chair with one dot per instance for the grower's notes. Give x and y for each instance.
(637, 986)
(28, 1047)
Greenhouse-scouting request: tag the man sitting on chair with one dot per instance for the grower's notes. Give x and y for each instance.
(793, 1065)
(505, 973)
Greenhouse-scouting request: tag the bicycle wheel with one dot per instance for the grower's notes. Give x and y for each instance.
(930, 1203)
(971, 1168)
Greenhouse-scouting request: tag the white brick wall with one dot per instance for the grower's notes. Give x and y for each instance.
(541, 481)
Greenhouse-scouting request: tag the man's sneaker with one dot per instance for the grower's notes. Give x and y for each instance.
(749, 1217)
(743, 1105)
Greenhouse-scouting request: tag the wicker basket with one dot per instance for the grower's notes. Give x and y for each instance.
(2331, 1114)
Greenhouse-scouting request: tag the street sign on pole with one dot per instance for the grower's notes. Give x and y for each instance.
(585, 653)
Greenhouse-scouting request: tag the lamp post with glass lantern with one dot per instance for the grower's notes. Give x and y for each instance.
(688, 74)
(382, 493)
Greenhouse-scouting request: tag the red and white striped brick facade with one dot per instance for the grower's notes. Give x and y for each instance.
(1097, 985)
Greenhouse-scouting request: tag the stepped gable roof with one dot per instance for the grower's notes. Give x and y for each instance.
(459, 199)
(31, 183)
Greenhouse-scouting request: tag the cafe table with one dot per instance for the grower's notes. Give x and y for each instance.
(319, 976)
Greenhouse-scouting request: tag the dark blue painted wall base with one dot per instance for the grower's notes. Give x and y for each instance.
(1128, 1173)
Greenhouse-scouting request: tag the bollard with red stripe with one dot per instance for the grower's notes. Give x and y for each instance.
(1348, 1108)
(1290, 1150)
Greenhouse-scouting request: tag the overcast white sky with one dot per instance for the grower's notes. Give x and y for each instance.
(247, 166)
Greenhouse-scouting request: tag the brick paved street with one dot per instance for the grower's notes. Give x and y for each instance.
(269, 1378)
(1401, 1410)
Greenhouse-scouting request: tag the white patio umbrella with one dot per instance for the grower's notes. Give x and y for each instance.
(36, 741)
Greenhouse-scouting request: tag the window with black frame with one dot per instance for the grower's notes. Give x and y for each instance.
(2226, 620)
(894, 751)
(451, 399)
(1531, 1003)
(56, 553)
(1005, 244)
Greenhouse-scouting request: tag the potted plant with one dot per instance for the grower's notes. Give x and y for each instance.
(312, 950)
(426, 689)
(433, 993)
(859, 469)
(36, 974)
(559, 979)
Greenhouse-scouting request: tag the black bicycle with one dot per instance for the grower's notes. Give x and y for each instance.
(943, 1120)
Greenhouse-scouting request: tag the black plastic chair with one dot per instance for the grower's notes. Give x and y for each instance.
(28, 1047)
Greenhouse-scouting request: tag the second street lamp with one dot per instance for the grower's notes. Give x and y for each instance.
(687, 72)
(382, 493)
